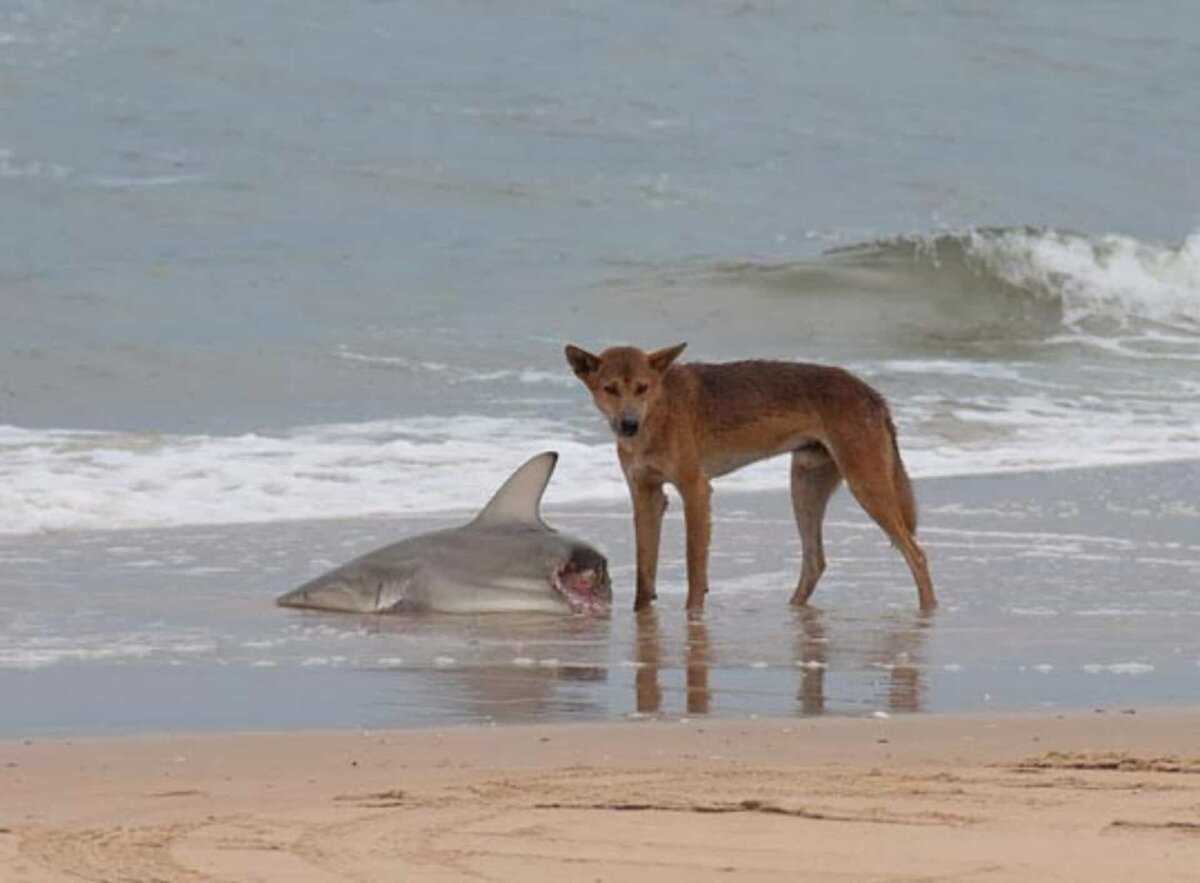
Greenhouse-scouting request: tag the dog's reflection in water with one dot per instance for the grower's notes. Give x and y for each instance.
(649, 658)
(896, 649)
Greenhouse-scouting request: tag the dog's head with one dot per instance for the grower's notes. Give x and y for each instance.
(624, 382)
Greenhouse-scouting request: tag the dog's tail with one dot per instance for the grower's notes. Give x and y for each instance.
(904, 491)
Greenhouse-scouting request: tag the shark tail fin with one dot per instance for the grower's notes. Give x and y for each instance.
(520, 497)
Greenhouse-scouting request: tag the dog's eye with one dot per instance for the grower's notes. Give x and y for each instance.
(641, 388)
(611, 389)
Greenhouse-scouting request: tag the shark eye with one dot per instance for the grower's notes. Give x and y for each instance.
(611, 389)
(641, 388)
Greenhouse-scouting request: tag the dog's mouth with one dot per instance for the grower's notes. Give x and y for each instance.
(585, 589)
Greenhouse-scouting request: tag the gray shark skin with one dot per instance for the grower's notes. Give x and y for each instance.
(506, 560)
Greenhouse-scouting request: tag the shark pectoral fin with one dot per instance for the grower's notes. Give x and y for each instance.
(520, 497)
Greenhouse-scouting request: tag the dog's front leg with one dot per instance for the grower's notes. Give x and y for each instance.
(696, 495)
(649, 503)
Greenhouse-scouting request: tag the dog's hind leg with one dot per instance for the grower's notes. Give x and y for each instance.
(869, 465)
(814, 479)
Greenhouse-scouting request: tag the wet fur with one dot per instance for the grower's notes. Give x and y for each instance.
(697, 421)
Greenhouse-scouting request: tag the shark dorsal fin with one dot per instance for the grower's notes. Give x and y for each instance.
(519, 498)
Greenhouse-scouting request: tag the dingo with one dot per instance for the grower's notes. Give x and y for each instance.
(689, 423)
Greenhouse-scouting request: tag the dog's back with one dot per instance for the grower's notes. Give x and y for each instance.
(740, 412)
(743, 392)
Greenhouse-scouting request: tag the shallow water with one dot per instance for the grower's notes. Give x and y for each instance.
(1069, 590)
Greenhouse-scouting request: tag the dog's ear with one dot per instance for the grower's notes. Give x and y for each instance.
(582, 362)
(660, 360)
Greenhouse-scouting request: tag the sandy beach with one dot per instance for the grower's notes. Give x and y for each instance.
(1099, 796)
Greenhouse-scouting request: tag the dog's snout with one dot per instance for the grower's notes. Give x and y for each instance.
(628, 426)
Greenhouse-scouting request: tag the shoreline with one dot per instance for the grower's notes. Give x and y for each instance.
(1074, 589)
(1067, 796)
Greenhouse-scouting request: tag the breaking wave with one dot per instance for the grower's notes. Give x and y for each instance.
(990, 284)
(1111, 278)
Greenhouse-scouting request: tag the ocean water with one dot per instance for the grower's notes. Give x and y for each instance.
(296, 259)
(277, 261)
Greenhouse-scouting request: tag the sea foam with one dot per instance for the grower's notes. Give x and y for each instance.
(85, 480)
(1099, 277)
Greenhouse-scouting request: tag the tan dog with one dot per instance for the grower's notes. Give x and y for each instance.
(687, 424)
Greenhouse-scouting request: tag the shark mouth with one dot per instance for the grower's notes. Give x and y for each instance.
(586, 590)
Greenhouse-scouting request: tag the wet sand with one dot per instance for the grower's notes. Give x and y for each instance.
(1084, 796)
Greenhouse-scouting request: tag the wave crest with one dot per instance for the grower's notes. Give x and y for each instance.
(1092, 283)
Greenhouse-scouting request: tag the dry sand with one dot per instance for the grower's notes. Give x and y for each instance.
(1084, 796)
